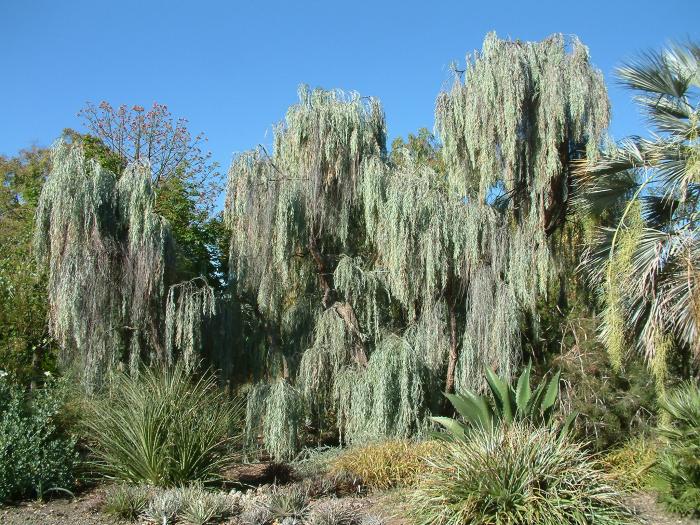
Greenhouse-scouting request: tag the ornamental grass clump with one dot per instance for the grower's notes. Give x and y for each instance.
(126, 502)
(162, 427)
(517, 475)
(387, 464)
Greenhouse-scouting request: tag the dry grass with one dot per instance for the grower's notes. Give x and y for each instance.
(630, 466)
(387, 464)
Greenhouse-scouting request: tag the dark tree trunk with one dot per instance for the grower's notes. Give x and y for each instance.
(343, 308)
(452, 362)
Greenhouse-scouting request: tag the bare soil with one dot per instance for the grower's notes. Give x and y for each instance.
(85, 510)
(651, 512)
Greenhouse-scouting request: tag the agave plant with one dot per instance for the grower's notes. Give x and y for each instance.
(510, 404)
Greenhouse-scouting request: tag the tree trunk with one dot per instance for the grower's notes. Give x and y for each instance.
(343, 309)
(346, 312)
(321, 270)
(452, 363)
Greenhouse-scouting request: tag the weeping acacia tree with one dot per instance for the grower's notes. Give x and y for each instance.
(106, 250)
(510, 131)
(646, 264)
(400, 279)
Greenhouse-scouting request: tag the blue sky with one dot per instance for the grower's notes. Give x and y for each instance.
(232, 68)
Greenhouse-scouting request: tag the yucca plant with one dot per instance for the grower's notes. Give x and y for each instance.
(162, 427)
(678, 469)
(510, 404)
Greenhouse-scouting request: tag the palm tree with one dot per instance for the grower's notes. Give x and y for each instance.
(647, 264)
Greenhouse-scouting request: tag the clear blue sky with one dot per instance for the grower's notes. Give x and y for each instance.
(232, 68)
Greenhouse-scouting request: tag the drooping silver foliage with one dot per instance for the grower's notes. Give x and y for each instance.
(275, 411)
(104, 248)
(187, 305)
(513, 120)
(399, 279)
(510, 130)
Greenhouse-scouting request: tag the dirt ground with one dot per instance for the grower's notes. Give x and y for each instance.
(651, 513)
(84, 510)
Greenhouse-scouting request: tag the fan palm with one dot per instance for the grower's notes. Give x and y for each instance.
(647, 265)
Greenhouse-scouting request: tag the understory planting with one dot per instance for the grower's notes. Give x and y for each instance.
(494, 323)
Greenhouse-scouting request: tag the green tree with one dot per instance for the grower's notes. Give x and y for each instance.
(26, 349)
(396, 274)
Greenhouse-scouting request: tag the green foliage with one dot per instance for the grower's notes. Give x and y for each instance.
(423, 147)
(160, 426)
(508, 404)
(26, 349)
(125, 501)
(516, 475)
(646, 266)
(95, 148)
(631, 465)
(36, 454)
(678, 468)
(197, 235)
(613, 404)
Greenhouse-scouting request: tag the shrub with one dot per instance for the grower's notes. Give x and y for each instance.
(613, 404)
(164, 506)
(678, 469)
(516, 475)
(126, 502)
(161, 427)
(288, 502)
(519, 403)
(385, 465)
(200, 507)
(631, 465)
(36, 456)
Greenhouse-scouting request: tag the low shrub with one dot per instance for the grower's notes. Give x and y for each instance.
(386, 464)
(161, 427)
(164, 507)
(678, 468)
(631, 465)
(201, 507)
(193, 505)
(37, 456)
(340, 512)
(126, 502)
(332, 512)
(288, 502)
(517, 475)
